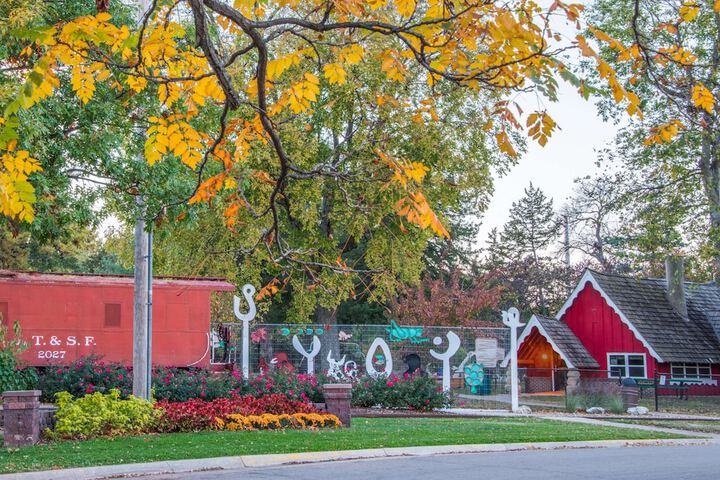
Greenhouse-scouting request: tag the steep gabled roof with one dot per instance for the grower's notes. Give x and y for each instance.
(642, 304)
(566, 341)
(561, 339)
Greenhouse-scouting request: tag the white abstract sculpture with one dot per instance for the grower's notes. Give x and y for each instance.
(369, 367)
(336, 369)
(310, 356)
(511, 318)
(453, 346)
(248, 292)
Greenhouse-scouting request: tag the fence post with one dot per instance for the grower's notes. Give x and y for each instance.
(655, 389)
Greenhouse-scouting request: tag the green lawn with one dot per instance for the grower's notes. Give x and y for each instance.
(695, 426)
(692, 406)
(365, 433)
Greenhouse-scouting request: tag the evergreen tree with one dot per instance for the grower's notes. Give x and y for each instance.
(522, 253)
(532, 226)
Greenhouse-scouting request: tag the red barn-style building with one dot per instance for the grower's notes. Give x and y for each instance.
(618, 326)
(66, 316)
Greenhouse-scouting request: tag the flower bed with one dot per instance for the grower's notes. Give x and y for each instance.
(270, 421)
(182, 384)
(102, 414)
(85, 376)
(175, 385)
(196, 415)
(414, 392)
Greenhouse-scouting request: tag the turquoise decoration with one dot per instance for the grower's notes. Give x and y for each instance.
(396, 333)
(285, 331)
(308, 331)
(320, 331)
(474, 376)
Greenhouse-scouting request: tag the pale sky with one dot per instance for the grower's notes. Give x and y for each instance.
(570, 153)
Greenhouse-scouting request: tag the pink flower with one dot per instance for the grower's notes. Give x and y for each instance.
(291, 392)
(390, 384)
(59, 371)
(120, 377)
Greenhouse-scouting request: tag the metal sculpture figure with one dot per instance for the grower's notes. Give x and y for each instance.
(310, 356)
(248, 292)
(511, 318)
(453, 346)
(340, 369)
(369, 367)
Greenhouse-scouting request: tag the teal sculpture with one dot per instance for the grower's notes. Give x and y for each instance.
(474, 376)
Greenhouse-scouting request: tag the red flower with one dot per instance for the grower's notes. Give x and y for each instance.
(390, 384)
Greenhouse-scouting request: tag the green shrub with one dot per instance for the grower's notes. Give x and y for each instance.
(182, 384)
(414, 392)
(12, 376)
(581, 402)
(84, 376)
(102, 414)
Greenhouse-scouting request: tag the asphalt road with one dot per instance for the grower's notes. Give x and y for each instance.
(653, 463)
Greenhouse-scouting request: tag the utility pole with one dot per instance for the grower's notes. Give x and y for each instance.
(142, 314)
(566, 241)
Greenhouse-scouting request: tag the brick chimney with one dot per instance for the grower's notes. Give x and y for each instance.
(675, 279)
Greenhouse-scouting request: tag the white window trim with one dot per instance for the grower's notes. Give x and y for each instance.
(627, 364)
(702, 380)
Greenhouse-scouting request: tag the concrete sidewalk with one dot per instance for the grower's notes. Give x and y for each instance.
(254, 461)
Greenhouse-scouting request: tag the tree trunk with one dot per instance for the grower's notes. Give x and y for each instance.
(710, 168)
(330, 340)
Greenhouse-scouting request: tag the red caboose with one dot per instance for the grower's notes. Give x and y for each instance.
(66, 316)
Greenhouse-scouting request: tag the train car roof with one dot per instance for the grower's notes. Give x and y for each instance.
(102, 279)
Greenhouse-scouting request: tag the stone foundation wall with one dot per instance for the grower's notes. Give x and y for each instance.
(605, 386)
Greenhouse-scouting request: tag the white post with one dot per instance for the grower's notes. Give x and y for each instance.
(248, 292)
(511, 318)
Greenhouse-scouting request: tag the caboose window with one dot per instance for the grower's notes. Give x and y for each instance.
(112, 314)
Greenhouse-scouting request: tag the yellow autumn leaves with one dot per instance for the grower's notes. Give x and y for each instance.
(701, 98)
(413, 206)
(173, 135)
(17, 195)
(483, 45)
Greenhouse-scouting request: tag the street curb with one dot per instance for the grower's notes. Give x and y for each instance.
(252, 461)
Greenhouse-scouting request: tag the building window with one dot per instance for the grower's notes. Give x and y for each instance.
(627, 365)
(690, 371)
(112, 314)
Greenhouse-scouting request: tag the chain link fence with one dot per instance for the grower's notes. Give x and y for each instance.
(476, 368)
